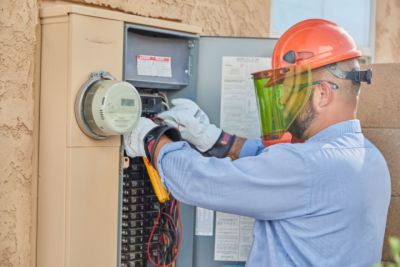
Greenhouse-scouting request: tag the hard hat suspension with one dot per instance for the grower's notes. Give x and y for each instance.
(355, 75)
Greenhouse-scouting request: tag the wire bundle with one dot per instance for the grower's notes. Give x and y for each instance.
(168, 227)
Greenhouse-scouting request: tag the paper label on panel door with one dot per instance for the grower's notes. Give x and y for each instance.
(239, 115)
(154, 66)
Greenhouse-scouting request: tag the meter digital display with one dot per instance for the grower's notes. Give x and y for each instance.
(106, 107)
(127, 102)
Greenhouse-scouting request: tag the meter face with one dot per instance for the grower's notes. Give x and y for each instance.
(121, 106)
(106, 107)
(111, 108)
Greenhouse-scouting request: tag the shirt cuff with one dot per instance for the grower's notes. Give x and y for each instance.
(251, 147)
(167, 148)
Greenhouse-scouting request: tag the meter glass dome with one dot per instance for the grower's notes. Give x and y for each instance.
(109, 107)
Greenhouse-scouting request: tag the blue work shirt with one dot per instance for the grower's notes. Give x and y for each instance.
(320, 203)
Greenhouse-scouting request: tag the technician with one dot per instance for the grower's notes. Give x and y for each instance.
(322, 202)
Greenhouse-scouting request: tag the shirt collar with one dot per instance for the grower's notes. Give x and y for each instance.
(338, 129)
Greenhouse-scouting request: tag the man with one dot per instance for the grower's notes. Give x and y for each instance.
(319, 203)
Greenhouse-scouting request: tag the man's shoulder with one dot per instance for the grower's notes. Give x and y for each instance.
(329, 146)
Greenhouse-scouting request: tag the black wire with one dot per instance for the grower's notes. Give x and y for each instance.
(168, 231)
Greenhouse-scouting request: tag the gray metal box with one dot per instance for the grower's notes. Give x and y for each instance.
(171, 45)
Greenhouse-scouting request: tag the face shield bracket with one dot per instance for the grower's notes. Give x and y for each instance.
(357, 76)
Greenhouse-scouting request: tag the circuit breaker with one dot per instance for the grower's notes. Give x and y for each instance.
(139, 211)
(140, 208)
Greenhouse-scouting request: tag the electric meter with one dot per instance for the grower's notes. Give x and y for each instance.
(106, 107)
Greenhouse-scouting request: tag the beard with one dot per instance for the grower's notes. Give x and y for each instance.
(303, 121)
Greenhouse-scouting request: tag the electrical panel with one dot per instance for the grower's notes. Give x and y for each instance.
(140, 206)
(195, 250)
(139, 210)
(159, 64)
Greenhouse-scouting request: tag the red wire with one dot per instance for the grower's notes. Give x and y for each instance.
(180, 236)
(150, 238)
(173, 203)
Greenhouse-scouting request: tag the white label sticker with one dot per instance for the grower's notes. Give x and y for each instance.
(154, 66)
(204, 222)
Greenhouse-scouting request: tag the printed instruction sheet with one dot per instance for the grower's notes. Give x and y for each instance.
(233, 237)
(239, 115)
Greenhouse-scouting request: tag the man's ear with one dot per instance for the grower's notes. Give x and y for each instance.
(323, 96)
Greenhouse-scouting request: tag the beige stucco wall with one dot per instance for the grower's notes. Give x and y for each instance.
(216, 17)
(19, 37)
(387, 44)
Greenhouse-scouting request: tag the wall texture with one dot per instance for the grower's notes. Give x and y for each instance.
(387, 44)
(379, 106)
(18, 39)
(216, 17)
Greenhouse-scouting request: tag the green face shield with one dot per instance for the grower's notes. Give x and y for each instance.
(281, 96)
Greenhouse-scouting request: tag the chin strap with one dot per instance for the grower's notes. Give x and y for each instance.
(153, 137)
(357, 76)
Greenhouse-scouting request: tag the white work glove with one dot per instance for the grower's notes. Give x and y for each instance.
(133, 140)
(193, 124)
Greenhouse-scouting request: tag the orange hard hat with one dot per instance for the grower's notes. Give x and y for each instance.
(313, 43)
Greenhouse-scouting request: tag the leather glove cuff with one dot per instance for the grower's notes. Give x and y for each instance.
(153, 137)
(221, 148)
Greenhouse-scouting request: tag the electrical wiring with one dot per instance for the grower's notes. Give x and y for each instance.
(165, 105)
(168, 227)
(165, 99)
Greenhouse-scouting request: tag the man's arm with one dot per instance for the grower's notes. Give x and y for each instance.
(195, 127)
(233, 152)
(262, 186)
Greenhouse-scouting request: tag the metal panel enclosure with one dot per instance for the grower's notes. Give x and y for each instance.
(141, 40)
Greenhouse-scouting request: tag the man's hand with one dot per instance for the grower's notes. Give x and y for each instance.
(195, 127)
(134, 140)
(193, 124)
(145, 137)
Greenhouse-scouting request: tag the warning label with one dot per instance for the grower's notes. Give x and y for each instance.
(154, 66)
